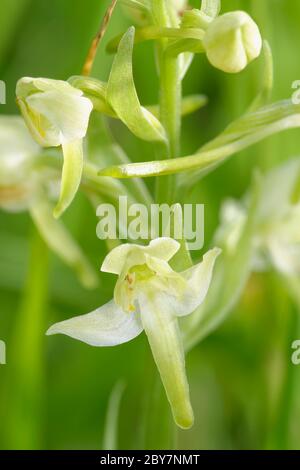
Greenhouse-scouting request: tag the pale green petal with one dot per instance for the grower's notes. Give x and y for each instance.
(161, 327)
(115, 260)
(198, 280)
(28, 85)
(55, 112)
(71, 175)
(131, 254)
(106, 326)
(61, 242)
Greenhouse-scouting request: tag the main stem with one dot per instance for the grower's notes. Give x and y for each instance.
(170, 99)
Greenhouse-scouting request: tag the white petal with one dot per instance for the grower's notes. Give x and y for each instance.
(71, 175)
(198, 281)
(106, 326)
(67, 113)
(163, 248)
(164, 336)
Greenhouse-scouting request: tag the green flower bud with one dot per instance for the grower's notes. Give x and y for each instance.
(232, 41)
(57, 114)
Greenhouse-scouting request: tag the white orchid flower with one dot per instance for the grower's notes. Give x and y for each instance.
(149, 296)
(57, 114)
(232, 41)
(17, 152)
(276, 240)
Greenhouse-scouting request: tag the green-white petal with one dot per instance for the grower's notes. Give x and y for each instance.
(131, 254)
(106, 326)
(198, 279)
(68, 115)
(164, 336)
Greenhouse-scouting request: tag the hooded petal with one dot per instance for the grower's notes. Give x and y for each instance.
(198, 279)
(164, 336)
(109, 325)
(61, 242)
(130, 254)
(68, 114)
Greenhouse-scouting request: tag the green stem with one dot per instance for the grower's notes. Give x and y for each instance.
(170, 99)
(25, 396)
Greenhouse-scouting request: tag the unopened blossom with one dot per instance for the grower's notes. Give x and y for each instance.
(57, 114)
(232, 41)
(149, 295)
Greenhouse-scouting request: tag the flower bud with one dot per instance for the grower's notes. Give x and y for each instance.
(232, 41)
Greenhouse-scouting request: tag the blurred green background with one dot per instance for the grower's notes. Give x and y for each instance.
(54, 391)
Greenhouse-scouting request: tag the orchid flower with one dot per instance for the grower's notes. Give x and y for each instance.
(149, 295)
(26, 187)
(57, 114)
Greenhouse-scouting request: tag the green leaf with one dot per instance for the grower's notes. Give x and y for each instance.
(231, 273)
(241, 134)
(122, 95)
